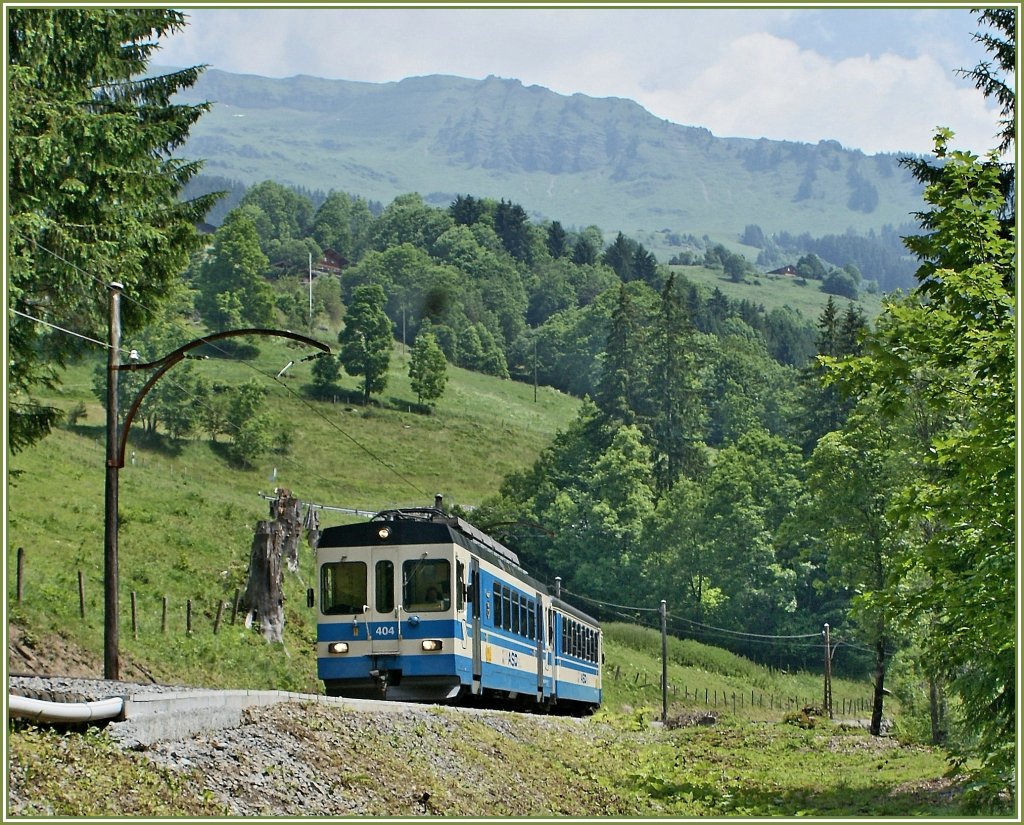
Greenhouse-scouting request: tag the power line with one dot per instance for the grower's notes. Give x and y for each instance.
(62, 329)
(256, 369)
(743, 633)
(355, 441)
(610, 604)
(64, 260)
(792, 641)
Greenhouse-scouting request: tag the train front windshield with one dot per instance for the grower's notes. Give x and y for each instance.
(426, 585)
(343, 587)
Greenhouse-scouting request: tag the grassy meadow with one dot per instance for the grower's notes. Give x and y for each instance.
(775, 292)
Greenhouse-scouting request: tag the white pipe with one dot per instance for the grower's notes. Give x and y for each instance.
(64, 711)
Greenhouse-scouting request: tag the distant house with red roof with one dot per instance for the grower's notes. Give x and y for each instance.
(331, 263)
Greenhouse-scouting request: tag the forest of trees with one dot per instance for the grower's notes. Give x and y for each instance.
(763, 472)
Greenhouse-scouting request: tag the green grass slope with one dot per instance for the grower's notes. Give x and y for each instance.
(776, 292)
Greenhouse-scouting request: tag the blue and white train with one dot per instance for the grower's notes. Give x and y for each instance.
(417, 605)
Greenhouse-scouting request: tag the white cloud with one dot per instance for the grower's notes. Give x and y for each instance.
(767, 86)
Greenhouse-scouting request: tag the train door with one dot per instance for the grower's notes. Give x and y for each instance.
(539, 640)
(383, 623)
(554, 637)
(474, 615)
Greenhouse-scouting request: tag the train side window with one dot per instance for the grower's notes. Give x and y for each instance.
(531, 620)
(343, 587)
(460, 585)
(516, 614)
(384, 586)
(497, 606)
(506, 597)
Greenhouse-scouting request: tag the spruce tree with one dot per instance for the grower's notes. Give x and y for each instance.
(366, 340)
(92, 185)
(676, 414)
(622, 372)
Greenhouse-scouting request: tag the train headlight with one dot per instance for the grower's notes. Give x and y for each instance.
(337, 647)
(384, 533)
(432, 644)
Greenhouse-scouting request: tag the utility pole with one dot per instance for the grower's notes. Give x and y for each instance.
(828, 672)
(311, 293)
(534, 369)
(664, 662)
(117, 439)
(111, 640)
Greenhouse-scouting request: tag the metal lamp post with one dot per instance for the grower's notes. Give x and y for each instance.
(117, 438)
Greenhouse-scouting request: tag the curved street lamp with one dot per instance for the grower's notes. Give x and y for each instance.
(117, 439)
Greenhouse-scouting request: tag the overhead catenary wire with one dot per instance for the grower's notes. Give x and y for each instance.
(738, 634)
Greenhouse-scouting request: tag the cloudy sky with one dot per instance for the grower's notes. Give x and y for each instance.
(879, 80)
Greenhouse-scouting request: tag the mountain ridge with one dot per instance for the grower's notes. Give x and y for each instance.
(574, 158)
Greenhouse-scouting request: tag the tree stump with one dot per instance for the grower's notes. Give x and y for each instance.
(273, 542)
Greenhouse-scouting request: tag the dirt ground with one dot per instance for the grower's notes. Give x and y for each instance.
(49, 656)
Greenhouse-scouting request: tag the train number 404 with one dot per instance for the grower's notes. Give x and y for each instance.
(384, 630)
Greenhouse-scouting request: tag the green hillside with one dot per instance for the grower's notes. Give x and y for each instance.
(187, 521)
(577, 159)
(775, 292)
(188, 516)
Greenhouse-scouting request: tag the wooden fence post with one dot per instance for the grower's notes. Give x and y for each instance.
(81, 595)
(163, 617)
(234, 605)
(21, 572)
(216, 622)
(135, 617)
(188, 617)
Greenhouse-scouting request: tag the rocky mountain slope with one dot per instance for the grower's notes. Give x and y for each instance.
(578, 159)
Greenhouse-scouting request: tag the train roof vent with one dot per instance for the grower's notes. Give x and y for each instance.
(479, 535)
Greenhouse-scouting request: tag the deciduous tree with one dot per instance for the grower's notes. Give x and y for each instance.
(366, 341)
(234, 274)
(428, 369)
(954, 340)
